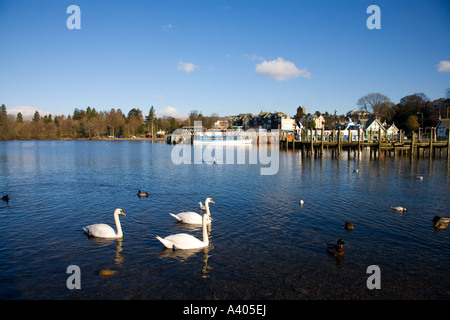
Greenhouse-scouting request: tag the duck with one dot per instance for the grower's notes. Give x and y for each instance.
(440, 225)
(191, 217)
(337, 249)
(142, 194)
(301, 202)
(5, 198)
(101, 230)
(419, 178)
(184, 241)
(402, 209)
(348, 225)
(443, 220)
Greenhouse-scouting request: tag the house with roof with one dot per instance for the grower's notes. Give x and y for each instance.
(356, 114)
(318, 121)
(391, 130)
(350, 130)
(442, 129)
(243, 120)
(264, 120)
(373, 127)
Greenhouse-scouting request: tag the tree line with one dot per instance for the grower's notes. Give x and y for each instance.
(411, 113)
(89, 124)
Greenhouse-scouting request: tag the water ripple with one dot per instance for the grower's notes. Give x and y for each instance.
(264, 244)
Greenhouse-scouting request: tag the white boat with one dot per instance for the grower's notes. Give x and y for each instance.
(219, 137)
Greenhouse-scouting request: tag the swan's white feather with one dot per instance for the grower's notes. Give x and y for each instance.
(189, 217)
(182, 241)
(100, 230)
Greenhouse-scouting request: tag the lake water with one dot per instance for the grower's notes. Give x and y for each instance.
(264, 245)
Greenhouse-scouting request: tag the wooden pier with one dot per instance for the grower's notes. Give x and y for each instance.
(315, 144)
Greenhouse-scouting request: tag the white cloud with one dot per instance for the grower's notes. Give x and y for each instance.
(159, 97)
(280, 70)
(170, 112)
(27, 112)
(167, 27)
(444, 66)
(253, 57)
(186, 67)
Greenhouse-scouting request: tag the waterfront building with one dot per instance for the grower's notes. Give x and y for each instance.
(442, 129)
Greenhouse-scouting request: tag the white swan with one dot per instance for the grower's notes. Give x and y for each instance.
(191, 217)
(185, 241)
(399, 209)
(102, 230)
(202, 207)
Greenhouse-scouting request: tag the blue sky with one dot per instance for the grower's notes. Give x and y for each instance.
(224, 57)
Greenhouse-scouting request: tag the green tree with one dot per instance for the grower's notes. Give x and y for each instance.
(91, 113)
(48, 119)
(150, 120)
(415, 104)
(78, 114)
(173, 124)
(135, 122)
(4, 123)
(36, 117)
(412, 123)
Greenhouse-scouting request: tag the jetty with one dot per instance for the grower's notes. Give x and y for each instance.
(315, 141)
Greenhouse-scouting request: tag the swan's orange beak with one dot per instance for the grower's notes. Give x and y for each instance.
(122, 213)
(212, 201)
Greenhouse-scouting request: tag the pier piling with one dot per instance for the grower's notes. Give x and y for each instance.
(312, 145)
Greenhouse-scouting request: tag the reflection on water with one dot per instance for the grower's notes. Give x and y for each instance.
(263, 244)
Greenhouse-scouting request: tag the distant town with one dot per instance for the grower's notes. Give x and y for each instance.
(413, 112)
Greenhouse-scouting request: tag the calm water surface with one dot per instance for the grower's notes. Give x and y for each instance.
(264, 245)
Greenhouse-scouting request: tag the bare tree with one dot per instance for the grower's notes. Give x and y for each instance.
(373, 102)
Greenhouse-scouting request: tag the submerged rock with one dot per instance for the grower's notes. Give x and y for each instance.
(107, 273)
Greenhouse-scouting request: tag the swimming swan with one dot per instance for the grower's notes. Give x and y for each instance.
(402, 209)
(185, 241)
(191, 217)
(102, 230)
(202, 207)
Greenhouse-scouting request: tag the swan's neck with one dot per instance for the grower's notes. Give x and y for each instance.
(205, 232)
(118, 226)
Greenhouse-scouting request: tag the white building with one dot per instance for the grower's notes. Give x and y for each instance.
(442, 129)
(319, 121)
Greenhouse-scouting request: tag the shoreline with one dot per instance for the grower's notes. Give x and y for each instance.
(95, 139)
